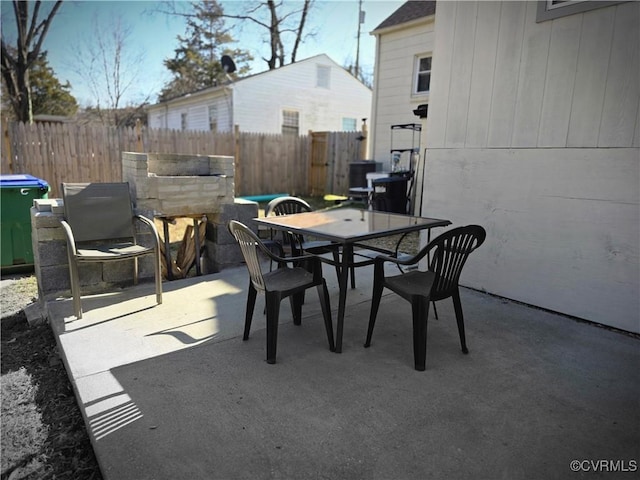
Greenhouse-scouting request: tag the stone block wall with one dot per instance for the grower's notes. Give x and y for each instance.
(177, 185)
(162, 185)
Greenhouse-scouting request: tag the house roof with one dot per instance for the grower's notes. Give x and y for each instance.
(411, 10)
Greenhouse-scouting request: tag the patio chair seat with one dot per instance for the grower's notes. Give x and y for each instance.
(285, 279)
(120, 250)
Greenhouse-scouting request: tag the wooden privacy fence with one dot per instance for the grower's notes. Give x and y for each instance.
(265, 163)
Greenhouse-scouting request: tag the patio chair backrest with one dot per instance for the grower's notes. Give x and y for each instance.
(249, 246)
(98, 211)
(286, 206)
(448, 254)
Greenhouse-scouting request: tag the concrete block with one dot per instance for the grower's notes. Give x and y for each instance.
(218, 257)
(90, 274)
(49, 253)
(120, 272)
(50, 234)
(146, 268)
(44, 219)
(53, 280)
(35, 314)
(222, 165)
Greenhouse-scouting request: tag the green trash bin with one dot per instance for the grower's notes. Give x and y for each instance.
(17, 193)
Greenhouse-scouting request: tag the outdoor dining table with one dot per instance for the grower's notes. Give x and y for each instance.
(348, 227)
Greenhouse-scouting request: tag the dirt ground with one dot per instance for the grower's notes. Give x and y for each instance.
(43, 433)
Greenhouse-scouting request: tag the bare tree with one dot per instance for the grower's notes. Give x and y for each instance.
(108, 66)
(16, 62)
(279, 24)
(282, 24)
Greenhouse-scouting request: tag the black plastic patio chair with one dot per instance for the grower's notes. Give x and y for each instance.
(100, 226)
(278, 284)
(447, 255)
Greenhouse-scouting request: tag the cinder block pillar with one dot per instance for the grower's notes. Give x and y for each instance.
(222, 250)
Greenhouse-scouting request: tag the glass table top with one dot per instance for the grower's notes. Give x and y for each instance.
(350, 224)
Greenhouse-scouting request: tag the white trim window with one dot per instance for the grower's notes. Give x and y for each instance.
(323, 76)
(550, 9)
(349, 124)
(290, 122)
(422, 79)
(183, 121)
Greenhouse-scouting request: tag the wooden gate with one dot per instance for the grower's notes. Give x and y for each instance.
(319, 163)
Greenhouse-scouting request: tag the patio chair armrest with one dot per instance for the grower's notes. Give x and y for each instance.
(281, 260)
(68, 233)
(399, 261)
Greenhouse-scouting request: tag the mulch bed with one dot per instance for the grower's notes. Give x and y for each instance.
(67, 451)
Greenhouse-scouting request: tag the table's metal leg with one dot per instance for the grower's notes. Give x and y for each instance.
(167, 246)
(347, 253)
(196, 231)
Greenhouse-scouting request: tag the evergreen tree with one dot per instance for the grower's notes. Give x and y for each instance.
(196, 63)
(48, 95)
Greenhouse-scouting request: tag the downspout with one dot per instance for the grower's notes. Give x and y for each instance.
(373, 126)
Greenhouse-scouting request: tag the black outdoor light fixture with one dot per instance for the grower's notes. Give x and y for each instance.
(227, 64)
(421, 111)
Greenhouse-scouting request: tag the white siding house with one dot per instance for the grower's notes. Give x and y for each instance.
(534, 133)
(313, 94)
(404, 49)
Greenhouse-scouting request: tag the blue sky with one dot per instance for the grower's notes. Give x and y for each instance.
(153, 38)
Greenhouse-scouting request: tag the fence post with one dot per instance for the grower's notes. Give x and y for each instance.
(236, 153)
(7, 145)
(139, 143)
(363, 140)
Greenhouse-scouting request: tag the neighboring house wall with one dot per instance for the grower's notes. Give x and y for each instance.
(257, 103)
(534, 133)
(394, 100)
(261, 99)
(195, 109)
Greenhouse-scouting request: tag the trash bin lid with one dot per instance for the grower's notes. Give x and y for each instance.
(389, 180)
(22, 181)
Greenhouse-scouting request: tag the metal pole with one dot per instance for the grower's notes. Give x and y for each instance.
(360, 22)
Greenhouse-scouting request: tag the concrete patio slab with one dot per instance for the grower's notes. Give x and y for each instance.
(171, 391)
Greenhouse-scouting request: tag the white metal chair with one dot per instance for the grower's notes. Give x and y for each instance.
(99, 225)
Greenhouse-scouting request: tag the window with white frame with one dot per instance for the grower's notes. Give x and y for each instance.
(323, 76)
(349, 125)
(550, 9)
(290, 122)
(183, 121)
(422, 80)
(213, 118)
